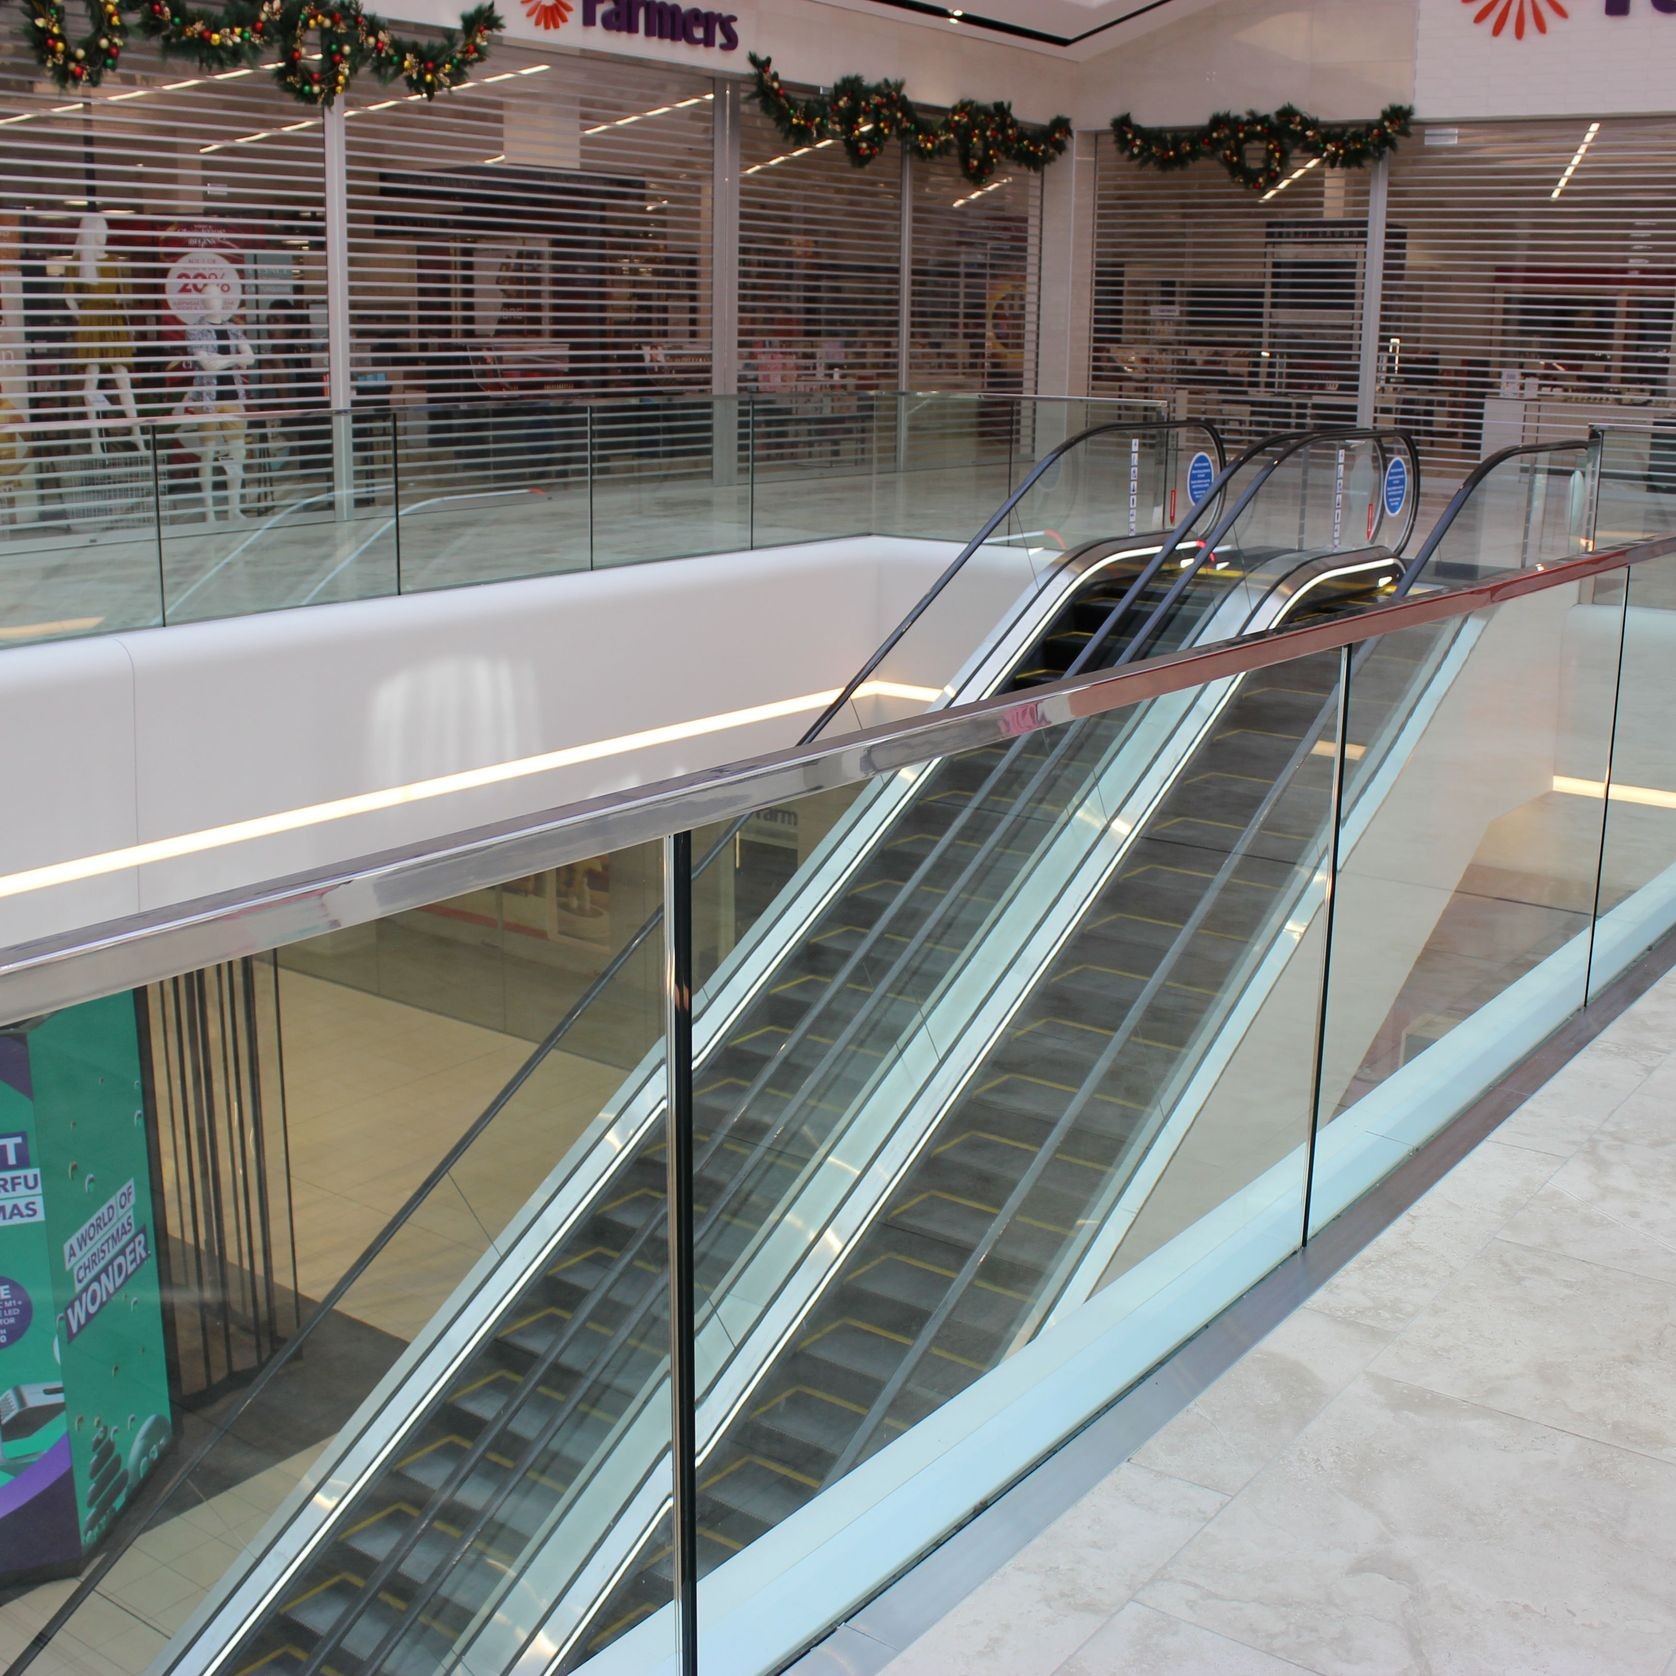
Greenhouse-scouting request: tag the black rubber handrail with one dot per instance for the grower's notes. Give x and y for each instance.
(1283, 448)
(1008, 506)
(138, 1515)
(1485, 468)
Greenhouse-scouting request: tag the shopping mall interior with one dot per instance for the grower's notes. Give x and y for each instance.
(837, 838)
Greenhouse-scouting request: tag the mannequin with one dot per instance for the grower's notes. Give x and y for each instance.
(221, 352)
(96, 295)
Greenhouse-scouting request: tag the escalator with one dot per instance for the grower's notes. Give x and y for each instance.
(400, 1575)
(960, 1264)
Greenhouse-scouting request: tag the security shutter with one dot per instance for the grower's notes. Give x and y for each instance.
(819, 265)
(542, 228)
(215, 180)
(1537, 291)
(1236, 307)
(975, 254)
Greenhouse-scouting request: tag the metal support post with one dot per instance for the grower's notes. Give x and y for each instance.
(726, 148)
(1373, 293)
(678, 1187)
(904, 312)
(340, 388)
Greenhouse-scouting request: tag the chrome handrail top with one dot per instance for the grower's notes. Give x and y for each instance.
(124, 953)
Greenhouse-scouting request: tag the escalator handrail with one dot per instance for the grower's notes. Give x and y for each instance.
(1457, 503)
(1286, 446)
(1286, 443)
(1007, 508)
(161, 1490)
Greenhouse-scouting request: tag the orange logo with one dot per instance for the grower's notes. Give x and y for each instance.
(1503, 12)
(547, 14)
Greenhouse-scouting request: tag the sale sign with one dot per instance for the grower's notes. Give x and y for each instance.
(84, 1387)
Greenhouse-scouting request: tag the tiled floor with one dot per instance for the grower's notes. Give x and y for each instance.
(1459, 1457)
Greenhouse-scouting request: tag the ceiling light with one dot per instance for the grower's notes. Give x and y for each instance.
(1577, 157)
(1296, 174)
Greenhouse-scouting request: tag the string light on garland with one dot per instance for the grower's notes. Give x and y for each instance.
(348, 39)
(865, 116)
(1229, 139)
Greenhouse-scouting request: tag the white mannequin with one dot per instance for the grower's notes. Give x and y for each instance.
(221, 352)
(104, 340)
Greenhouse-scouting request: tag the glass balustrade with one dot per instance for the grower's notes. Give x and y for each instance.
(1023, 1041)
(110, 527)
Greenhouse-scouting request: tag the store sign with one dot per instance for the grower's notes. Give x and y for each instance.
(651, 20)
(1596, 57)
(84, 1390)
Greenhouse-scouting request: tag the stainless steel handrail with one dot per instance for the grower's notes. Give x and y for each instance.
(137, 949)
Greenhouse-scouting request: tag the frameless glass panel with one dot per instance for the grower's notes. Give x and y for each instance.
(1637, 902)
(817, 461)
(953, 465)
(1531, 510)
(1637, 490)
(672, 477)
(492, 491)
(79, 532)
(465, 1397)
(266, 511)
(1467, 872)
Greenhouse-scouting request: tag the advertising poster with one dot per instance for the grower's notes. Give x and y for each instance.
(84, 1391)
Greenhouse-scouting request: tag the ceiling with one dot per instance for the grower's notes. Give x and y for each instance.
(1088, 25)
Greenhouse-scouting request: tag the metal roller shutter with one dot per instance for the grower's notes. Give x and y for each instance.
(1237, 308)
(819, 265)
(973, 278)
(545, 227)
(1538, 288)
(181, 165)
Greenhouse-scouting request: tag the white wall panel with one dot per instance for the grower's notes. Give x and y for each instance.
(150, 735)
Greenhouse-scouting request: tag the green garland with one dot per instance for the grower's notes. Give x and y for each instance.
(865, 116)
(349, 40)
(1226, 139)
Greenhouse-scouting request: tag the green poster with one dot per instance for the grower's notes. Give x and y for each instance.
(84, 1391)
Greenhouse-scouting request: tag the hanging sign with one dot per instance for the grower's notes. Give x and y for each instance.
(84, 1391)
(1201, 474)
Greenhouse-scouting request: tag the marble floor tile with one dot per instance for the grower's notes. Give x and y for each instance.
(1261, 1404)
(1386, 1285)
(1646, 1032)
(1407, 1531)
(1140, 1641)
(1553, 1340)
(1613, 1205)
(1647, 1118)
(1040, 1607)
(1572, 1105)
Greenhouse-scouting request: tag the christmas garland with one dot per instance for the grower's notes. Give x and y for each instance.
(1226, 138)
(865, 116)
(349, 40)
